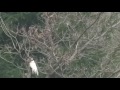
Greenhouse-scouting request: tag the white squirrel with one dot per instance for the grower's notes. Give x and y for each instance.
(33, 66)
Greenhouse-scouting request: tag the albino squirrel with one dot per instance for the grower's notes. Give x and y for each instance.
(33, 66)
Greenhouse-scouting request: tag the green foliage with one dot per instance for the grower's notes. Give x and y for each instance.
(90, 61)
(22, 18)
(4, 39)
(7, 70)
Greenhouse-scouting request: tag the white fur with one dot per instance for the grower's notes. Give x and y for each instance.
(33, 67)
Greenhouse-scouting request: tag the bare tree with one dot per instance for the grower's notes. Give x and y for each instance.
(72, 44)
